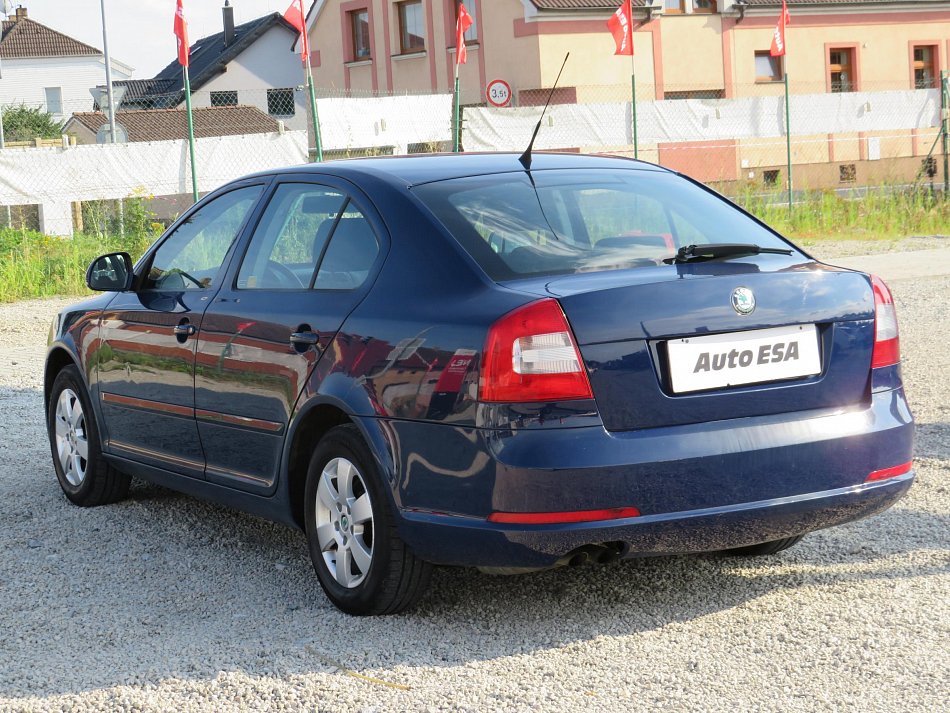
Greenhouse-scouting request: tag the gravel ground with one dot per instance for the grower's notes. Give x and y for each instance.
(166, 603)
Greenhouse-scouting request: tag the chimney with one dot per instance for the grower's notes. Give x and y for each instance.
(20, 14)
(228, 12)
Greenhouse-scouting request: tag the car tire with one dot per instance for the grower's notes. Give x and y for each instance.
(764, 548)
(85, 476)
(362, 564)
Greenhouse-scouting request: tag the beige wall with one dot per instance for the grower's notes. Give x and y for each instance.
(692, 52)
(883, 54)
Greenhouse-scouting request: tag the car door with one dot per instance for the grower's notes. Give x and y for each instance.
(147, 355)
(307, 264)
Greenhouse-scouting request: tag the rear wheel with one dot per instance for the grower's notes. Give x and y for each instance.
(83, 474)
(765, 548)
(362, 565)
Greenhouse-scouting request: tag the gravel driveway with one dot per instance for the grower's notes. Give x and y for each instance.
(166, 603)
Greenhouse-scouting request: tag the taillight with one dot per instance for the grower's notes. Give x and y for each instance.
(554, 518)
(893, 472)
(887, 350)
(530, 355)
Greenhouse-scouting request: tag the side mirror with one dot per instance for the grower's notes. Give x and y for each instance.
(110, 273)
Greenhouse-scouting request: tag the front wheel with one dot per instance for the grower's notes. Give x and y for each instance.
(362, 564)
(83, 473)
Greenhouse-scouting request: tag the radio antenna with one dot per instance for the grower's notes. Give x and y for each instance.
(525, 158)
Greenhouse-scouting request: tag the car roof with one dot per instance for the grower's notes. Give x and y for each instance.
(428, 168)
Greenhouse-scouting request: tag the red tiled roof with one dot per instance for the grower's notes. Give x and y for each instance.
(170, 124)
(28, 38)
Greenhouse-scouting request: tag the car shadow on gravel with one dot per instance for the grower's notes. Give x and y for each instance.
(162, 586)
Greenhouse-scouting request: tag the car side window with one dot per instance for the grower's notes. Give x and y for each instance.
(191, 257)
(286, 246)
(350, 256)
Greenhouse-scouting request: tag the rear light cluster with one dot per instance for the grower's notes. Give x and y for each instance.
(531, 355)
(893, 472)
(887, 350)
(554, 518)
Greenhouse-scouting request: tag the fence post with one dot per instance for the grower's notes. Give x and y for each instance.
(788, 143)
(945, 120)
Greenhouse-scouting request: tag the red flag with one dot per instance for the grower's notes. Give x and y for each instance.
(462, 24)
(296, 17)
(778, 38)
(181, 32)
(621, 27)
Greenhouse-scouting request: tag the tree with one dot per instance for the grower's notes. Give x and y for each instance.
(25, 123)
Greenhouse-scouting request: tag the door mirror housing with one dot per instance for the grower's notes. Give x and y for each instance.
(110, 273)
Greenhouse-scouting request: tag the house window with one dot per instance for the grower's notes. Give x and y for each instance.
(54, 100)
(471, 34)
(841, 70)
(767, 67)
(704, 6)
(359, 26)
(227, 98)
(925, 67)
(695, 94)
(770, 178)
(280, 102)
(678, 7)
(847, 173)
(411, 35)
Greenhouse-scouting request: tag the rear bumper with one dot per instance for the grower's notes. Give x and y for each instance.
(698, 487)
(468, 541)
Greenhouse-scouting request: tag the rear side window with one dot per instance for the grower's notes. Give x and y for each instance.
(583, 220)
(352, 251)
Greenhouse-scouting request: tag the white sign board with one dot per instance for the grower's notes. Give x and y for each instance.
(498, 93)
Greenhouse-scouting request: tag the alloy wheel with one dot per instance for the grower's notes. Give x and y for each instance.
(72, 444)
(344, 517)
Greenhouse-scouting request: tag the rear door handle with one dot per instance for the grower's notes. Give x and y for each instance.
(304, 339)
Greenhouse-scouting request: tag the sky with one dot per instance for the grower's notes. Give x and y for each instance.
(140, 31)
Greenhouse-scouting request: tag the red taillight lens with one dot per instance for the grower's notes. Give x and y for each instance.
(530, 355)
(551, 518)
(886, 473)
(887, 350)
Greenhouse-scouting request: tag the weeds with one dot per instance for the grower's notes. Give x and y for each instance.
(880, 214)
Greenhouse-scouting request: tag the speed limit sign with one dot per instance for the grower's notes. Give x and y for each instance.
(499, 93)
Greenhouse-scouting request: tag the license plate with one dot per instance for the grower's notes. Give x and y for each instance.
(755, 357)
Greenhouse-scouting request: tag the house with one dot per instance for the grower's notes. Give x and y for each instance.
(44, 68)
(684, 48)
(252, 64)
(172, 124)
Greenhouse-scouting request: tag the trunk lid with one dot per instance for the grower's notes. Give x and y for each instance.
(625, 321)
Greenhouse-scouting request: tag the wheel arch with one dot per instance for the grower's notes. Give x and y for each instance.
(309, 428)
(58, 359)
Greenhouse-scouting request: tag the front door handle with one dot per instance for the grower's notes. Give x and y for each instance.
(185, 330)
(304, 339)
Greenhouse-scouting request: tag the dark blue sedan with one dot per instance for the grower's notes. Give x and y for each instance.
(454, 360)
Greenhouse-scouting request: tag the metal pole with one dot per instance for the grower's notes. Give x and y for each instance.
(3, 146)
(788, 143)
(191, 135)
(945, 116)
(317, 140)
(457, 112)
(108, 60)
(633, 116)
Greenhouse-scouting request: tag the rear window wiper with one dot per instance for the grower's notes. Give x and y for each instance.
(715, 251)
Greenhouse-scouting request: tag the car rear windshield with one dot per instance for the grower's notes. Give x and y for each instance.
(583, 220)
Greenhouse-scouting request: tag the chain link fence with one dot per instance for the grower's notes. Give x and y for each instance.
(882, 134)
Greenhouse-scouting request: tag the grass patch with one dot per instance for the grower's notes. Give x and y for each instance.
(880, 215)
(36, 265)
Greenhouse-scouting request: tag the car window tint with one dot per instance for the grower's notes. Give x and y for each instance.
(191, 257)
(583, 220)
(352, 251)
(289, 240)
